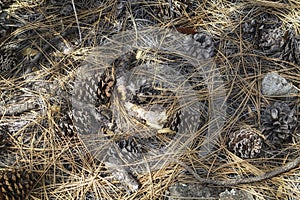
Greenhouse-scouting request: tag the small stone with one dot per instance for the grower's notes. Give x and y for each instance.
(273, 85)
(179, 191)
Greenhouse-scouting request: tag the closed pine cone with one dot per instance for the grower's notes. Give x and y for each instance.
(245, 142)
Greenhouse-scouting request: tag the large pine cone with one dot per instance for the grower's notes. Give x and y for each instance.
(245, 143)
(278, 123)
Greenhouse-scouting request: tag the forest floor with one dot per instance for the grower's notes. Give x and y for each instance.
(255, 48)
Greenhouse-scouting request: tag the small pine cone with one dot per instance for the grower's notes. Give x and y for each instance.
(15, 184)
(278, 123)
(207, 44)
(66, 126)
(171, 10)
(4, 137)
(199, 45)
(66, 10)
(250, 29)
(130, 146)
(271, 41)
(245, 143)
(105, 87)
(291, 48)
(8, 60)
(281, 44)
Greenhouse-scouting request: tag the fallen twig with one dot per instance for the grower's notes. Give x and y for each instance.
(285, 168)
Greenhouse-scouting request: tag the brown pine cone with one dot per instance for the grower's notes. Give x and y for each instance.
(15, 184)
(245, 143)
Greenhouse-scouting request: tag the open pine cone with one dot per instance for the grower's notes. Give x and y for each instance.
(278, 123)
(3, 136)
(291, 48)
(281, 44)
(245, 142)
(15, 184)
(272, 40)
(8, 60)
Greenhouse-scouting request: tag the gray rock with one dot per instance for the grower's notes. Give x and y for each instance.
(184, 191)
(273, 85)
(198, 191)
(235, 194)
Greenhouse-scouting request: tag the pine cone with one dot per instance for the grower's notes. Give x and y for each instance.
(15, 184)
(3, 136)
(130, 146)
(66, 126)
(271, 41)
(207, 44)
(281, 44)
(8, 60)
(245, 143)
(291, 48)
(260, 25)
(5, 19)
(278, 123)
(164, 10)
(199, 45)
(249, 29)
(67, 9)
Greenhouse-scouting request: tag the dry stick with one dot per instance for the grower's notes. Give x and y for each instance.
(285, 168)
(18, 108)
